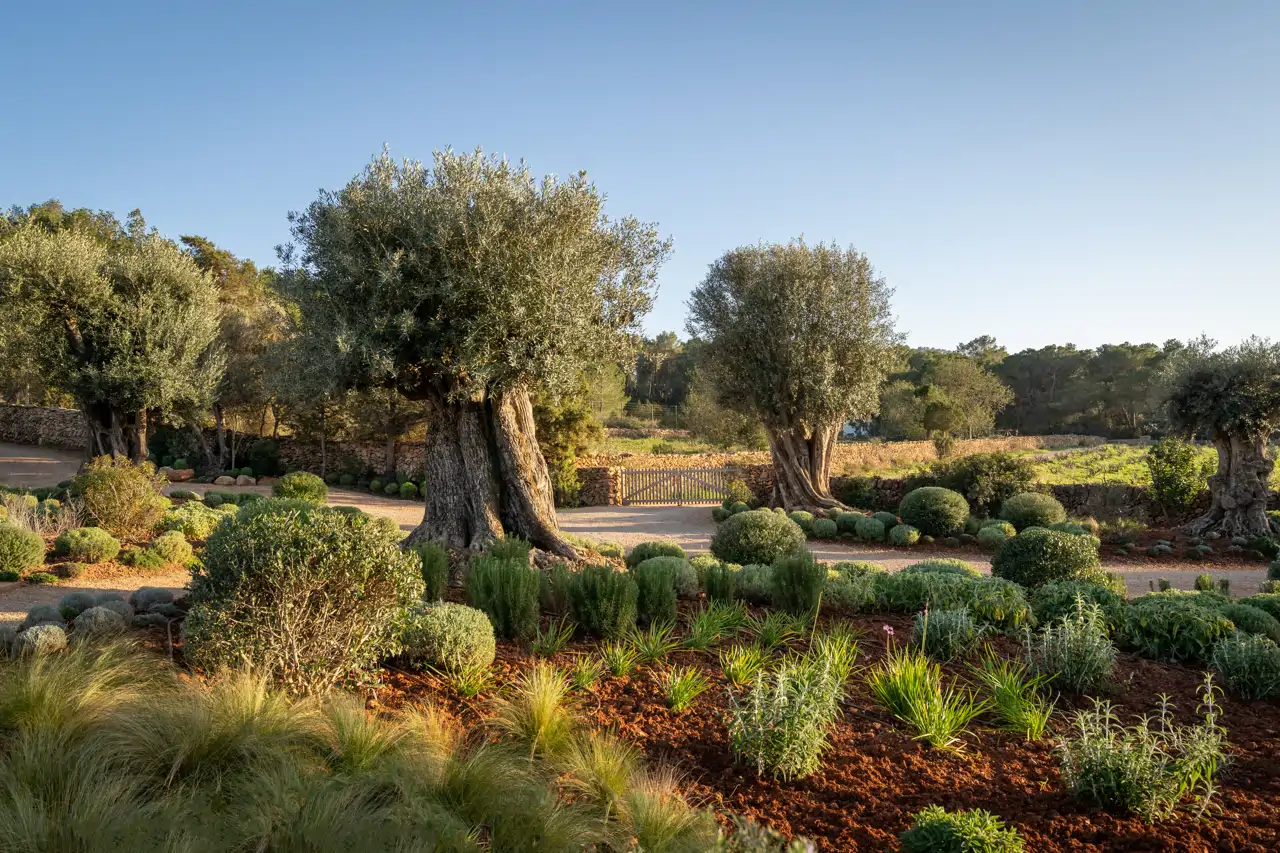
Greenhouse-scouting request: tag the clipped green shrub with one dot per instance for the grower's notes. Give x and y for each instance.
(738, 492)
(376, 485)
(1032, 509)
(20, 548)
(122, 498)
(1249, 664)
(1268, 601)
(1009, 529)
(936, 830)
(408, 491)
(945, 566)
(1057, 599)
(392, 489)
(972, 525)
(434, 559)
(346, 480)
(903, 535)
(737, 507)
(193, 519)
(648, 550)
(1178, 628)
(172, 547)
(69, 571)
(992, 537)
(999, 603)
(798, 581)
(9, 576)
(869, 529)
(87, 545)
(985, 479)
(910, 591)
(302, 486)
(1036, 557)
(719, 514)
(803, 520)
(656, 591)
(758, 536)
(847, 522)
(42, 578)
(858, 568)
(755, 583)
(888, 519)
(448, 637)
(824, 528)
(1252, 620)
(506, 589)
(307, 599)
(935, 511)
(720, 581)
(602, 601)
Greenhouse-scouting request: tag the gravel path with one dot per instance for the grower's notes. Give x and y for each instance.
(690, 526)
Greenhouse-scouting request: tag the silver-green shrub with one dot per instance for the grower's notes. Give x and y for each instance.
(1249, 664)
(449, 637)
(1075, 652)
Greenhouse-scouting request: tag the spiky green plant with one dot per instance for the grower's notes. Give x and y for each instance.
(619, 657)
(655, 642)
(772, 629)
(1016, 695)
(910, 687)
(681, 685)
(584, 673)
(741, 664)
(552, 641)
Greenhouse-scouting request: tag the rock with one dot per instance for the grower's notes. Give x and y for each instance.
(178, 475)
(225, 481)
(245, 480)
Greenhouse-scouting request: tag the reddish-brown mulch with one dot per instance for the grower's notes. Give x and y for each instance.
(874, 776)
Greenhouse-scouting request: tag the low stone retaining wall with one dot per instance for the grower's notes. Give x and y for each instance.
(43, 426)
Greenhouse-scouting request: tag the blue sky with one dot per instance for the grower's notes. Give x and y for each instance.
(1043, 172)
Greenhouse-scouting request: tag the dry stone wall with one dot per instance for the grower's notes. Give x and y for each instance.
(43, 426)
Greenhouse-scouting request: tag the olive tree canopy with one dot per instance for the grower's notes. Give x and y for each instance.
(467, 284)
(126, 323)
(799, 337)
(1233, 396)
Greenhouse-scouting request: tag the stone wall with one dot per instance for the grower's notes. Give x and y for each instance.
(849, 457)
(45, 427)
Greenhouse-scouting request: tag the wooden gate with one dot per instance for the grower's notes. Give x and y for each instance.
(676, 485)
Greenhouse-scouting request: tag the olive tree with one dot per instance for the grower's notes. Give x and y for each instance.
(126, 323)
(798, 337)
(1233, 396)
(467, 285)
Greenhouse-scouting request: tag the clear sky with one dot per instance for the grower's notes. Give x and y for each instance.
(1041, 171)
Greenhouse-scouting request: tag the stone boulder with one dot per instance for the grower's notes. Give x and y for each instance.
(245, 480)
(225, 481)
(178, 475)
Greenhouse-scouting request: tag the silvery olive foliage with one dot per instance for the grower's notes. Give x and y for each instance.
(125, 320)
(467, 275)
(797, 335)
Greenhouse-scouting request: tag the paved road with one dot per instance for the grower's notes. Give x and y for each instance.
(690, 526)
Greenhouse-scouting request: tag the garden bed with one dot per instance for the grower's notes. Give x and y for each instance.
(875, 776)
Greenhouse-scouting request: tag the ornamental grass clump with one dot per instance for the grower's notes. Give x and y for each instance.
(681, 685)
(1016, 696)
(741, 664)
(936, 830)
(1076, 652)
(909, 686)
(780, 725)
(1148, 769)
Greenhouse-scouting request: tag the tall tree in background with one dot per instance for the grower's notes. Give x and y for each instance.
(467, 285)
(251, 321)
(127, 322)
(975, 393)
(797, 336)
(1234, 397)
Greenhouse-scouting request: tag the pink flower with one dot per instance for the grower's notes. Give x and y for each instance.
(888, 629)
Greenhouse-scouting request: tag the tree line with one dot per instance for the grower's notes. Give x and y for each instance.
(500, 312)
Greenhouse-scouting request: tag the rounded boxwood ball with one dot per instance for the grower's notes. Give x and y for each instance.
(1036, 557)
(869, 529)
(803, 519)
(1032, 509)
(301, 486)
(755, 537)
(825, 528)
(20, 548)
(935, 511)
(888, 519)
(448, 636)
(903, 535)
(87, 545)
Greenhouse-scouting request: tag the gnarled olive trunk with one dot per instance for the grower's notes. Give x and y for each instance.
(484, 476)
(114, 433)
(1239, 489)
(802, 467)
